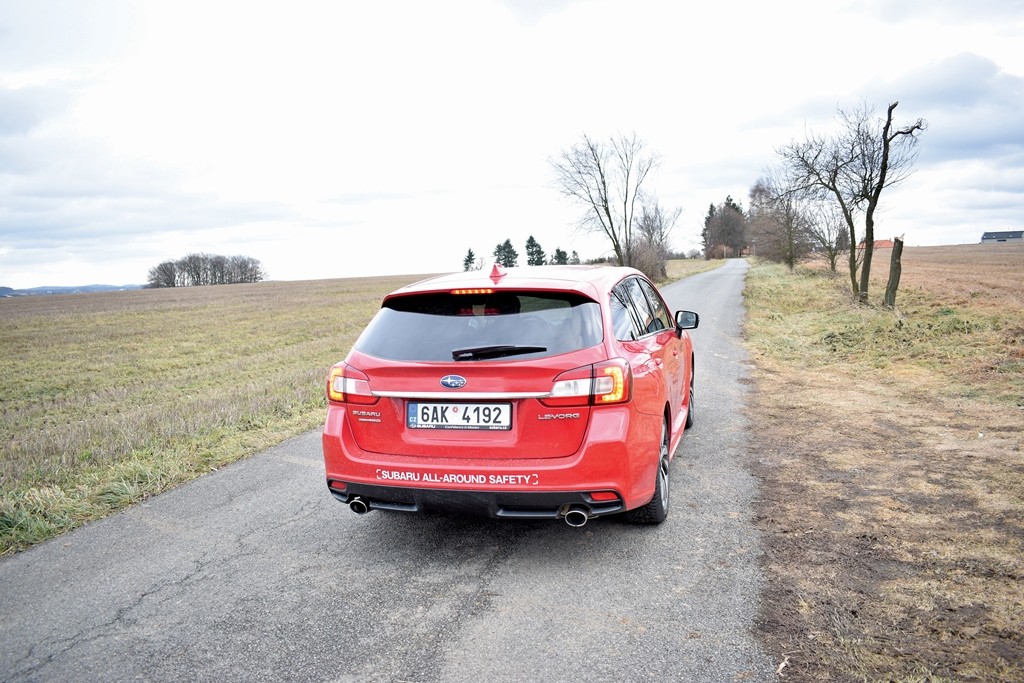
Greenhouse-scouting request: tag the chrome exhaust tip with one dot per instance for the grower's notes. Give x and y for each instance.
(358, 506)
(576, 517)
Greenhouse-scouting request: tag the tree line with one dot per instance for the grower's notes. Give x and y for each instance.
(505, 254)
(194, 270)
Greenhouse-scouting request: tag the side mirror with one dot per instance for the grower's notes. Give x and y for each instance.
(687, 320)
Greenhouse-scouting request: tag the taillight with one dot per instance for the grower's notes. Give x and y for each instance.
(571, 388)
(345, 384)
(600, 384)
(613, 382)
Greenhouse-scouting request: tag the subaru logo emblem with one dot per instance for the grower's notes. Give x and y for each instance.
(453, 381)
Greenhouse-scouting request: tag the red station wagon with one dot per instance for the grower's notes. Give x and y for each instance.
(555, 392)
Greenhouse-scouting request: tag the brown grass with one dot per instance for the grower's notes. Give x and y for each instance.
(679, 268)
(890, 448)
(108, 398)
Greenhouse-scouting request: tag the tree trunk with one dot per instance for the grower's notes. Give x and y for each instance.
(869, 250)
(848, 217)
(895, 270)
(853, 262)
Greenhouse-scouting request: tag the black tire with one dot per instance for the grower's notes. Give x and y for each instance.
(656, 511)
(690, 406)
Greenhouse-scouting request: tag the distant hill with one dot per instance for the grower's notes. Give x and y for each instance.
(83, 289)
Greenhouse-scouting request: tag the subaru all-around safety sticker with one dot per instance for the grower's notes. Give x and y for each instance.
(530, 479)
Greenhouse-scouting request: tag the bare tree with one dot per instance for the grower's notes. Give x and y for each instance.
(817, 166)
(885, 161)
(243, 269)
(778, 222)
(653, 233)
(852, 168)
(163, 275)
(829, 232)
(606, 178)
(194, 269)
(218, 267)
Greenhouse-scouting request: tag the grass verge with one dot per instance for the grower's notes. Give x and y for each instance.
(889, 445)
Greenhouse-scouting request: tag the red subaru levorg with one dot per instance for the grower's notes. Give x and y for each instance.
(554, 392)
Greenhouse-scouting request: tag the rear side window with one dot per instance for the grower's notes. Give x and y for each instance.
(660, 313)
(625, 326)
(431, 327)
(637, 310)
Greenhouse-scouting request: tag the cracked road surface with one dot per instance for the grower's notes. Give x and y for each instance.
(256, 573)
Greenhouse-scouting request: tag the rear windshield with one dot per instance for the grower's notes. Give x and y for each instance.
(482, 327)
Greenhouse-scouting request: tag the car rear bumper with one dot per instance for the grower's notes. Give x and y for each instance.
(497, 504)
(617, 464)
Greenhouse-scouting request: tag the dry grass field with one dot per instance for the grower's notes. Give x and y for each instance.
(890, 445)
(108, 398)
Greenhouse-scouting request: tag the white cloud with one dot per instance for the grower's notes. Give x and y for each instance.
(329, 139)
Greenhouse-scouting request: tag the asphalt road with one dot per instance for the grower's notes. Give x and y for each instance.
(256, 573)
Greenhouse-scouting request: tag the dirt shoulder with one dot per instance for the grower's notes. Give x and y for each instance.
(892, 479)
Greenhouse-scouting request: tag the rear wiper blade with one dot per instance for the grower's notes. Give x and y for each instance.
(494, 351)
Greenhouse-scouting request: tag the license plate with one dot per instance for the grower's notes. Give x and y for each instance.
(487, 416)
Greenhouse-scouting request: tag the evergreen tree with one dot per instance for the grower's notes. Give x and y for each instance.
(574, 260)
(560, 258)
(506, 255)
(469, 261)
(725, 230)
(535, 256)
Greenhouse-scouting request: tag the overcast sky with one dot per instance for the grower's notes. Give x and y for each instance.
(336, 139)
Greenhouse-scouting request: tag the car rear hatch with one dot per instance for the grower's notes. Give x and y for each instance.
(479, 375)
(498, 412)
